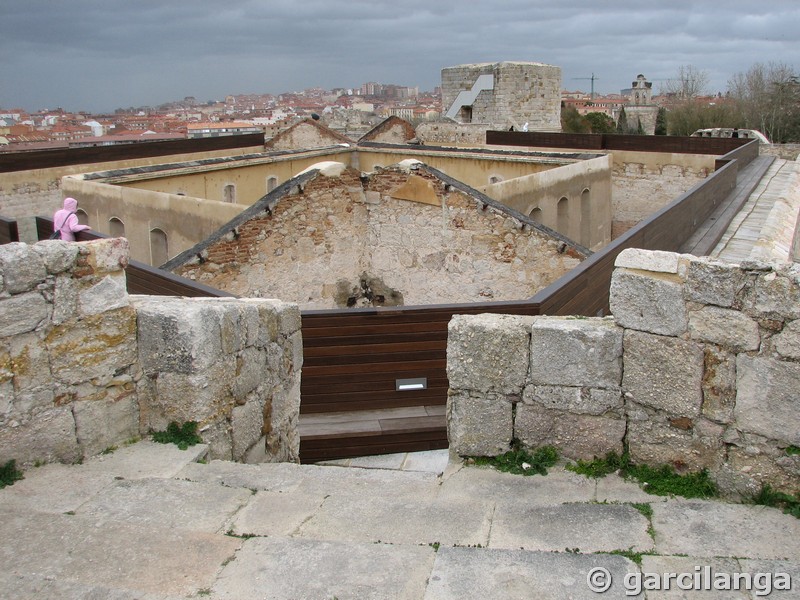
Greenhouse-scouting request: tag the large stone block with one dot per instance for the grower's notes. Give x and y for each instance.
(479, 424)
(657, 261)
(728, 328)
(713, 282)
(719, 385)
(687, 445)
(576, 400)
(251, 369)
(50, 437)
(575, 436)
(22, 313)
(101, 424)
(58, 256)
(109, 293)
(21, 267)
(787, 342)
(247, 422)
(652, 303)
(775, 294)
(664, 373)
(30, 363)
(488, 353)
(768, 398)
(576, 352)
(107, 255)
(96, 347)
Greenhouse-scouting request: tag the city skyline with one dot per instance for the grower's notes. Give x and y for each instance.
(99, 55)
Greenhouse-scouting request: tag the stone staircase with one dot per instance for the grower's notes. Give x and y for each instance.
(149, 522)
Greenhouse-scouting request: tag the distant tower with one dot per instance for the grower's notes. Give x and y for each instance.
(641, 91)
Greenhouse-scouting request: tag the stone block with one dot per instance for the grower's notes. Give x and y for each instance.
(775, 294)
(575, 436)
(488, 353)
(648, 302)
(767, 398)
(50, 437)
(22, 313)
(728, 328)
(247, 421)
(749, 467)
(65, 299)
(110, 293)
(108, 255)
(687, 444)
(95, 347)
(58, 256)
(648, 260)
(479, 424)
(22, 268)
(664, 373)
(576, 352)
(787, 342)
(719, 385)
(30, 363)
(104, 423)
(577, 400)
(251, 369)
(713, 282)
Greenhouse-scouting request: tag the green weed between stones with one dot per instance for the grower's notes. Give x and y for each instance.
(630, 554)
(769, 497)
(661, 481)
(521, 462)
(9, 474)
(182, 436)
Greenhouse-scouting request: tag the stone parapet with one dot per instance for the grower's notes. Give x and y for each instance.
(699, 368)
(84, 366)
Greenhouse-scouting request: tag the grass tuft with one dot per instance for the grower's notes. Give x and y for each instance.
(786, 502)
(521, 462)
(182, 436)
(9, 474)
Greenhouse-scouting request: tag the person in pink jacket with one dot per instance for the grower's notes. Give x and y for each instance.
(66, 221)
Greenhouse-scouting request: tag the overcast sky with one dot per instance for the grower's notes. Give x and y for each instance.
(98, 55)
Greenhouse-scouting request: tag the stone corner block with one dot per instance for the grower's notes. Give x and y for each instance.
(767, 398)
(657, 261)
(576, 352)
(728, 328)
(488, 352)
(710, 281)
(108, 255)
(648, 303)
(479, 424)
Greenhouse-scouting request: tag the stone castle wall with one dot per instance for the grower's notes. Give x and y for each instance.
(524, 92)
(698, 368)
(84, 366)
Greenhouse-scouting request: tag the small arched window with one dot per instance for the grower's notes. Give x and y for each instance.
(229, 193)
(562, 215)
(116, 228)
(83, 218)
(495, 179)
(586, 218)
(536, 214)
(272, 183)
(159, 249)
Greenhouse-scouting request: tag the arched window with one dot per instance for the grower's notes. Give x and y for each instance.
(272, 183)
(159, 250)
(495, 179)
(562, 215)
(83, 218)
(116, 228)
(229, 193)
(536, 214)
(586, 218)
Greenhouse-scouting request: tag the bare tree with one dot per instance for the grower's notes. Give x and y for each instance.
(768, 97)
(689, 82)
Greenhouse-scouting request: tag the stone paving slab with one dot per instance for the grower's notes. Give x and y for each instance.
(659, 565)
(21, 587)
(461, 573)
(276, 513)
(699, 528)
(613, 488)
(167, 503)
(61, 488)
(588, 527)
(293, 569)
(557, 487)
(401, 520)
(792, 569)
(146, 560)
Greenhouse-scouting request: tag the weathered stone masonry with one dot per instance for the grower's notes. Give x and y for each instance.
(84, 366)
(698, 368)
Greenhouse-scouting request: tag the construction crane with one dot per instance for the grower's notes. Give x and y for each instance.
(592, 78)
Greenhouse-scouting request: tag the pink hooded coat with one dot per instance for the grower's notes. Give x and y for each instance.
(66, 220)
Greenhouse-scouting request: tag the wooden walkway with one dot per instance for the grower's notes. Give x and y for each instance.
(360, 433)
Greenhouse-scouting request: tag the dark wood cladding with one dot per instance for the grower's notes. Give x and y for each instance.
(63, 157)
(8, 231)
(610, 141)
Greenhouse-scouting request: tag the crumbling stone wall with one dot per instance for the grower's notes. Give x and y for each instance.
(84, 366)
(698, 368)
(400, 232)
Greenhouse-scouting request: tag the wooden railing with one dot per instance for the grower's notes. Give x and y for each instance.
(8, 231)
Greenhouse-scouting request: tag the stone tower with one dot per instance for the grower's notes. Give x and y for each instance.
(503, 95)
(641, 91)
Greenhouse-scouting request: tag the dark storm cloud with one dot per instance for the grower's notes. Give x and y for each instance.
(101, 54)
